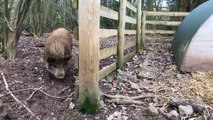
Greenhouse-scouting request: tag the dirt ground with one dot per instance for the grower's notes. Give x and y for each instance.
(51, 99)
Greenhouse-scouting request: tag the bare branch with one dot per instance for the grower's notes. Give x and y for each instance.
(121, 99)
(35, 92)
(16, 99)
(125, 101)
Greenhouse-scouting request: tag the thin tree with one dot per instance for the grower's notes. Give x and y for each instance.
(14, 14)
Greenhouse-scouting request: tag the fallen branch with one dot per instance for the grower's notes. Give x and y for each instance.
(35, 90)
(121, 99)
(125, 101)
(16, 99)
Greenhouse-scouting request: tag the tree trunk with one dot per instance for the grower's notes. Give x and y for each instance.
(12, 28)
(11, 46)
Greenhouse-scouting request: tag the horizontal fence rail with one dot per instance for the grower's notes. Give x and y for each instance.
(141, 20)
(155, 22)
(107, 52)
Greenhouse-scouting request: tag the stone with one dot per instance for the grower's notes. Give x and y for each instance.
(146, 74)
(71, 105)
(199, 118)
(152, 109)
(120, 72)
(109, 79)
(134, 85)
(173, 115)
(102, 104)
(185, 110)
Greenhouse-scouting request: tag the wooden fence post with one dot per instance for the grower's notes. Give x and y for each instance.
(121, 30)
(138, 33)
(89, 55)
(143, 27)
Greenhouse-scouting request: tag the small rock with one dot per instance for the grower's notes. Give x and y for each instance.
(102, 104)
(124, 117)
(71, 105)
(115, 115)
(135, 57)
(113, 89)
(139, 91)
(152, 109)
(120, 84)
(109, 79)
(173, 115)
(40, 78)
(120, 78)
(199, 118)
(185, 110)
(134, 86)
(103, 80)
(120, 72)
(145, 74)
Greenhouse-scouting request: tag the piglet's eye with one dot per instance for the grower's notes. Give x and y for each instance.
(67, 58)
(50, 60)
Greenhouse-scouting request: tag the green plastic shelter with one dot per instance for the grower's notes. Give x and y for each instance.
(193, 41)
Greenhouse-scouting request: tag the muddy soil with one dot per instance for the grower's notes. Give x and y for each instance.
(56, 99)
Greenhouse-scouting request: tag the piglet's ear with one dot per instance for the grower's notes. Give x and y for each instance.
(50, 59)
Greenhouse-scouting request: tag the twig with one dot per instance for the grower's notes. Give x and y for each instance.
(16, 99)
(36, 89)
(34, 92)
(53, 96)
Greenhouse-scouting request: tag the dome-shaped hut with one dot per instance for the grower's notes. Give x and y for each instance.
(193, 42)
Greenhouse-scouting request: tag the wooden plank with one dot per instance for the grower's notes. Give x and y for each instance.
(166, 23)
(121, 30)
(113, 32)
(129, 56)
(130, 32)
(131, 6)
(166, 13)
(89, 20)
(104, 53)
(138, 35)
(107, 70)
(108, 13)
(143, 28)
(130, 20)
(129, 44)
(158, 40)
(160, 31)
(108, 32)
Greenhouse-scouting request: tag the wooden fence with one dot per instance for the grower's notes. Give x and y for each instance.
(123, 18)
(155, 22)
(89, 52)
(109, 13)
